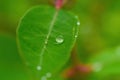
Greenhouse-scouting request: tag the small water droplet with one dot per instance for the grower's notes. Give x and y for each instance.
(48, 75)
(78, 23)
(97, 67)
(39, 68)
(43, 78)
(46, 42)
(76, 36)
(59, 39)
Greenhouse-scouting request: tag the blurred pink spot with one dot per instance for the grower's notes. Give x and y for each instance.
(83, 68)
(59, 4)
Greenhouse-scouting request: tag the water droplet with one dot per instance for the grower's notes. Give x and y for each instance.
(43, 78)
(48, 75)
(39, 68)
(97, 67)
(46, 42)
(59, 39)
(76, 36)
(78, 23)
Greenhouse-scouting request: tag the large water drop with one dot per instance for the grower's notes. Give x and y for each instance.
(60, 39)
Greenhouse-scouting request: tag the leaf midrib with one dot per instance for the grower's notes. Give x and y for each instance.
(47, 37)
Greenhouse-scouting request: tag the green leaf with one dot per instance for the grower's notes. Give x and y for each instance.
(46, 37)
(106, 64)
(11, 67)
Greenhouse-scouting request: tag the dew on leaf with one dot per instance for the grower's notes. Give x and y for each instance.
(48, 75)
(39, 68)
(60, 39)
(76, 36)
(78, 23)
(97, 67)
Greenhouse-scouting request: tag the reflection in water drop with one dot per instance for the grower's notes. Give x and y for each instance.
(39, 68)
(97, 67)
(60, 39)
(43, 78)
(48, 75)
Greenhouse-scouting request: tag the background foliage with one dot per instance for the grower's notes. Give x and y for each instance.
(97, 45)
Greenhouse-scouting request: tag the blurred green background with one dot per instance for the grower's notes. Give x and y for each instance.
(99, 36)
